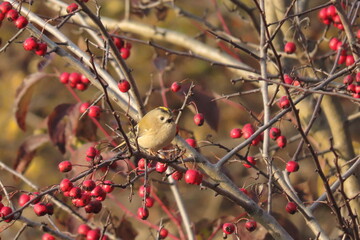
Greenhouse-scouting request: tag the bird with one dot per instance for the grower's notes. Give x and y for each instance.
(155, 130)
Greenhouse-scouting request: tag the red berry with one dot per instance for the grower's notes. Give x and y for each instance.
(84, 106)
(34, 198)
(125, 53)
(144, 191)
(91, 152)
(250, 160)
(83, 229)
(72, 8)
(65, 185)
(81, 86)
(84, 79)
(284, 102)
(342, 59)
(30, 44)
(83, 200)
(296, 83)
(228, 228)
(5, 7)
(175, 87)
(64, 77)
(97, 191)
(281, 141)
(47, 236)
(163, 233)
(143, 213)
(357, 89)
(141, 164)
(331, 11)
(290, 47)
(250, 225)
(124, 86)
(336, 19)
(23, 199)
(5, 211)
(326, 21)
(291, 207)
(41, 49)
(274, 133)
(93, 234)
(357, 77)
(323, 13)
(292, 166)
(88, 185)
(191, 142)
(248, 130)
(161, 167)
(288, 79)
(235, 133)
(65, 166)
(40, 209)
(351, 88)
(107, 186)
(333, 44)
(118, 42)
(193, 176)
(356, 95)
(21, 22)
(348, 79)
(349, 60)
(75, 192)
(12, 15)
(199, 119)
(177, 175)
(149, 202)
(74, 78)
(94, 206)
(94, 111)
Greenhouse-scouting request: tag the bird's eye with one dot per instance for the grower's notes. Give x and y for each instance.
(162, 118)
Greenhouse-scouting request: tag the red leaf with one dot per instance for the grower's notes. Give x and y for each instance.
(27, 151)
(23, 97)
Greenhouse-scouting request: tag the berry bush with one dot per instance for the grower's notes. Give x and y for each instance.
(265, 96)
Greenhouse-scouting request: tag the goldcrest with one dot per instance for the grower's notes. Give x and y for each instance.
(155, 130)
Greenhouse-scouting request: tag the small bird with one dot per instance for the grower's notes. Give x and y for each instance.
(155, 130)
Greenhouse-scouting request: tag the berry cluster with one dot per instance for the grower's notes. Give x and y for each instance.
(247, 131)
(229, 228)
(33, 44)
(351, 87)
(289, 80)
(93, 234)
(40, 208)
(93, 111)
(275, 134)
(75, 80)
(123, 47)
(329, 15)
(7, 11)
(345, 57)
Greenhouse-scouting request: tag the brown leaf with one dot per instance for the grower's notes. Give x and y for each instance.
(64, 124)
(27, 151)
(23, 97)
(125, 230)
